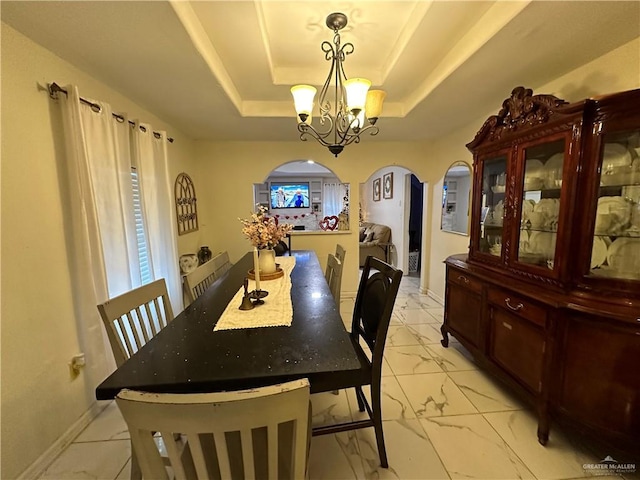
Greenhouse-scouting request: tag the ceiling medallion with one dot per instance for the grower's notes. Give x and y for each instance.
(343, 121)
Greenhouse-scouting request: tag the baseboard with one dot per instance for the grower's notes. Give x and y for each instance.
(37, 468)
(435, 296)
(346, 295)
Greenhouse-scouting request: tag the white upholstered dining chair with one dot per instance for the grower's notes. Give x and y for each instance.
(256, 433)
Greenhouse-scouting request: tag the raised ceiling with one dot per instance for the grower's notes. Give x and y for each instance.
(221, 70)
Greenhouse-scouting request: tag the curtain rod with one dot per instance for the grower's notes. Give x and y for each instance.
(54, 88)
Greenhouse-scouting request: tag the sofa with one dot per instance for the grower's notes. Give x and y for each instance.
(375, 240)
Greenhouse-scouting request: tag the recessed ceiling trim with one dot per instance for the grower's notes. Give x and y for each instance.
(494, 20)
(257, 108)
(420, 9)
(265, 38)
(203, 45)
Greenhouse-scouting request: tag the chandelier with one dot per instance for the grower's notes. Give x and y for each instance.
(343, 120)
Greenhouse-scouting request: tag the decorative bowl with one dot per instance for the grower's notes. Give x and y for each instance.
(188, 263)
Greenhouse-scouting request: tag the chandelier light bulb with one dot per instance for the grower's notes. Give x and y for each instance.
(356, 89)
(373, 106)
(303, 96)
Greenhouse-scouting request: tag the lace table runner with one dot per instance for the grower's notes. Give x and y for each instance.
(277, 310)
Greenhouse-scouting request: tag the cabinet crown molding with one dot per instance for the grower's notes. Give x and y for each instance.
(521, 110)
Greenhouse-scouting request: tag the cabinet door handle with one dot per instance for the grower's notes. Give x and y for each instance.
(506, 325)
(519, 306)
(464, 279)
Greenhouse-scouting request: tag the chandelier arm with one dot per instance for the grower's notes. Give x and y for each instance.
(324, 103)
(303, 127)
(312, 132)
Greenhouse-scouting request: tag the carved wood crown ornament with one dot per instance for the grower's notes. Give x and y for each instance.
(521, 110)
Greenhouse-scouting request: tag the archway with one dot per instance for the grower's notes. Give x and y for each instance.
(400, 193)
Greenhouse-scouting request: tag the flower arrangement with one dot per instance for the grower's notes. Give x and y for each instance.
(263, 231)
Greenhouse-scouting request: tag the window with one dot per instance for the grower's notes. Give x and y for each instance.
(141, 234)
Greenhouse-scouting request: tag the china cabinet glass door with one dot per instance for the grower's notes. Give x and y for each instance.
(494, 186)
(539, 204)
(616, 239)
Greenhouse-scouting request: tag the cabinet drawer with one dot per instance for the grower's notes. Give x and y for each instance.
(518, 346)
(519, 306)
(464, 280)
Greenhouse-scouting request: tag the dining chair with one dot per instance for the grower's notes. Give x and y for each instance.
(340, 253)
(196, 282)
(333, 275)
(375, 299)
(131, 320)
(135, 317)
(221, 263)
(255, 433)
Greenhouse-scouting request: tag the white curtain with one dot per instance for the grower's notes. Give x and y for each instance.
(152, 162)
(103, 248)
(332, 198)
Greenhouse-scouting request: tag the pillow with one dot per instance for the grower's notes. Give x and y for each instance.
(368, 237)
(362, 234)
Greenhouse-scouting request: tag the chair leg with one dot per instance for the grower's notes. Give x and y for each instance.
(136, 473)
(359, 394)
(376, 407)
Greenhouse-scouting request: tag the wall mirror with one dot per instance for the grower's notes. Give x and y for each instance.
(456, 191)
(307, 195)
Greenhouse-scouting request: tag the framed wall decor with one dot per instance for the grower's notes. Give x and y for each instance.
(387, 185)
(376, 190)
(186, 208)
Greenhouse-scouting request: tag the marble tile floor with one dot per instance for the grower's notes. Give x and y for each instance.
(443, 418)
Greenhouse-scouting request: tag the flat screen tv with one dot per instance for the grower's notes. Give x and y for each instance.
(290, 195)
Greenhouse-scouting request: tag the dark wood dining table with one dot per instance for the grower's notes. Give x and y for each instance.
(187, 356)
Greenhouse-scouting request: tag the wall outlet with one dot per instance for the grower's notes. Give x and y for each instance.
(76, 364)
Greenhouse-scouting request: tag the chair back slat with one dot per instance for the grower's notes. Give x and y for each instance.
(222, 452)
(123, 334)
(246, 439)
(174, 452)
(201, 278)
(341, 253)
(272, 450)
(129, 320)
(197, 451)
(145, 451)
(221, 263)
(333, 275)
(221, 419)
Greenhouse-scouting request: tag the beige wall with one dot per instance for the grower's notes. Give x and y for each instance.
(616, 71)
(231, 169)
(39, 399)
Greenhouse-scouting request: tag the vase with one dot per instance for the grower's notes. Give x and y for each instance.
(204, 255)
(267, 260)
(188, 263)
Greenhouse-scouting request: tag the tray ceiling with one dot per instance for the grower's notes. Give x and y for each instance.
(221, 70)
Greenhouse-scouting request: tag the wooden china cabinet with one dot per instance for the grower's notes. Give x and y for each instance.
(548, 297)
